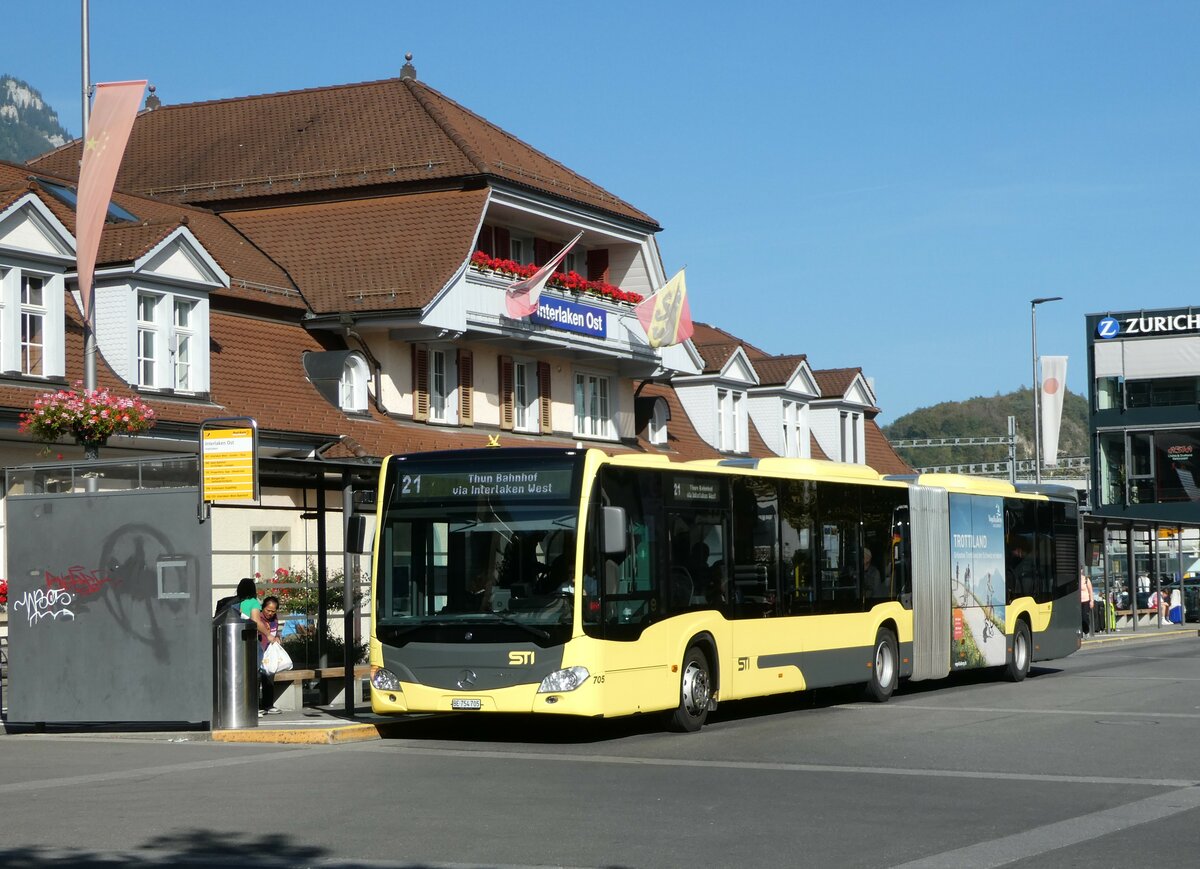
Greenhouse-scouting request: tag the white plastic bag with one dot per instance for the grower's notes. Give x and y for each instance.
(276, 659)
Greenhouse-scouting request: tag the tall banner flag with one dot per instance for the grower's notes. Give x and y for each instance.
(1054, 384)
(113, 113)
(521, 298)
(666, 316)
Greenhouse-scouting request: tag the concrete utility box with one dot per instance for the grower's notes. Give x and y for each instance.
(110, 597)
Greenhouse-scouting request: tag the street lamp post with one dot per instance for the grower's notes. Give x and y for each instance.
(1037, 390)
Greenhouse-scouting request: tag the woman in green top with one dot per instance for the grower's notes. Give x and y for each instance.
(251, 609)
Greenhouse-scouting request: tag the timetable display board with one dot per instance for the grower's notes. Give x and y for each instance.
(228, 460)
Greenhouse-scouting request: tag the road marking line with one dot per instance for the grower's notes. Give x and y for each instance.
(1052, 837)
(1010, 710)
(775, 767)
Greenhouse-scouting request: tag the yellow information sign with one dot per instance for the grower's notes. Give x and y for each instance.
(228, 463)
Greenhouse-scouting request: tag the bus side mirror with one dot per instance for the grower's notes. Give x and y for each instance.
(612, 520)
(358, 540)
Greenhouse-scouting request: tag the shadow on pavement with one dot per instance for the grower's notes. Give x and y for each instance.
(194, 848)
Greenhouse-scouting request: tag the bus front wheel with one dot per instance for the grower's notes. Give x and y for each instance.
(695, 692)
(1018, 657)
(885, 671)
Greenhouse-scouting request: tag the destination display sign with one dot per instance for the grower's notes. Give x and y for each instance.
(696, 489)
(571, 317)
(469, 485)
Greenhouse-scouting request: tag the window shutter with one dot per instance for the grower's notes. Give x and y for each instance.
(420, 362)
(597, 264)
(487, 242)
(466, 401)
(541, 252)
(543, 377)
(502, 238)
(506, 393)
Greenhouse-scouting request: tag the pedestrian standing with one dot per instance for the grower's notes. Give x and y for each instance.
(1087, 601)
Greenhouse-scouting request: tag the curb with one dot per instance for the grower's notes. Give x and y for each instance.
(301, 735)
(1141, 636)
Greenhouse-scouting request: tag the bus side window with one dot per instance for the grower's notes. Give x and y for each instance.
(754, 591)
(796, 506)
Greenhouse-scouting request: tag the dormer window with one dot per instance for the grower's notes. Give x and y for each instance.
(729, 421)
(171, 330)
(31, 323)
(353, 389)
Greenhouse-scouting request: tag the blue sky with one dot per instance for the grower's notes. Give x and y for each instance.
(883, 185)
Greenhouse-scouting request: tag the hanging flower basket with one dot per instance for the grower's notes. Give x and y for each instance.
(90, 416)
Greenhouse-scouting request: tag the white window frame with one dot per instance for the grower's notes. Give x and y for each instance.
(526, 408)
(594, 422)
(791, 429)
(182, 345)
(657, 432)
(156, 342)
(267, 543)
(30, 312)
(353, 387)
(729, 421)
(148, 332)
(443, 405)
(14, 314)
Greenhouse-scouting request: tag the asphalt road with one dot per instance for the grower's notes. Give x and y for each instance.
(1089, 763)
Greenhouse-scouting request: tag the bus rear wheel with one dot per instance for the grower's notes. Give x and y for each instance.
(695, 692)
(885, 670)
(1018, 657)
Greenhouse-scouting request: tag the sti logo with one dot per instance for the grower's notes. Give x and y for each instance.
(1109, 327)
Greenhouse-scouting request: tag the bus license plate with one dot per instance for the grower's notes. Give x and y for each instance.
(465, 703)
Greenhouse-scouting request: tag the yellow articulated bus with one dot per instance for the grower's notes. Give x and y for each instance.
(572, 582)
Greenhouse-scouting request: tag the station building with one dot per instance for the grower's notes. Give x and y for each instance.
(332, 263)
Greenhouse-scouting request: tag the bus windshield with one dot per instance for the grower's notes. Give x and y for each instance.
(475, 543)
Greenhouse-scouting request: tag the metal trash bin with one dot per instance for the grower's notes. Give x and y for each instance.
(235, 671)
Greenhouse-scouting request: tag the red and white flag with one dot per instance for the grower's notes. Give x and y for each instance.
(1054, 386)
(521, 298)
(666, 316)
(113, 113)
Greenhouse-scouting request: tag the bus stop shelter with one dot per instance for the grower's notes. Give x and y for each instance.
(1120, 551)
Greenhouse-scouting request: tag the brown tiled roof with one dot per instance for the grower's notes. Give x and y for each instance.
(253, 275)
(777, 370)
(880, 454)
(817, 452)
(388, 253)
(331, 138)
(835, 381)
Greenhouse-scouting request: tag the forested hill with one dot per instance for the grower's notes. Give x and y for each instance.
(28, 126)
(986, 417)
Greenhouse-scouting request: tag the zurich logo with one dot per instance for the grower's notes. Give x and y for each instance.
(1109, 327)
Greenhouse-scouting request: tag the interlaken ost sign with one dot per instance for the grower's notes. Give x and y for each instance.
(571, 317)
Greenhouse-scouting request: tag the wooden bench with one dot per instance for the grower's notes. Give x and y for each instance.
(332, 682)
(291, 697)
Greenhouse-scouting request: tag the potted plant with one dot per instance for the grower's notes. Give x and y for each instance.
(90, 416)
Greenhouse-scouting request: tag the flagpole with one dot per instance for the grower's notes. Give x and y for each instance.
(89, 323)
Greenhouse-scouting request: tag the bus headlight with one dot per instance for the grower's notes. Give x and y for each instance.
(384, 680)
(561, 681)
